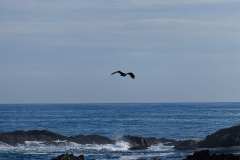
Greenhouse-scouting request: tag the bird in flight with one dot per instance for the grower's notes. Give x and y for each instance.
(132, 75)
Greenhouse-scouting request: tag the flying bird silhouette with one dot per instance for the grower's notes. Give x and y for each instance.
(132, 75)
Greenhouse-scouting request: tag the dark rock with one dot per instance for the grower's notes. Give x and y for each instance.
(156, 158)
(137, 142)
(199, 155)
(205, 155)
(223, 138)
(69, 157)
(167, 141)
(150, 158)
(16, 137)
(185, 144)
(19, 137)
(91, 139)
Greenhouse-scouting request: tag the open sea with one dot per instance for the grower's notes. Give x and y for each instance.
(168, 120)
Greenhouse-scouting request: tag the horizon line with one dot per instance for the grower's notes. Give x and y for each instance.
(163, 102)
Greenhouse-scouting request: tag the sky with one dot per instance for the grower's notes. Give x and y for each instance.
(58, 51)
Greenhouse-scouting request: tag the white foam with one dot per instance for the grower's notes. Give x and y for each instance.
(4, 144)
(160, 147)
(118, 146)
(38, 147)
(130, 157)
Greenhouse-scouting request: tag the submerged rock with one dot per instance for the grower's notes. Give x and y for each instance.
(68, 157)
(205, 155)
(137, 142)
(226, 137)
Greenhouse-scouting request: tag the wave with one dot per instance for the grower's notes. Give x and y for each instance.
(160, 147)
(39, 147)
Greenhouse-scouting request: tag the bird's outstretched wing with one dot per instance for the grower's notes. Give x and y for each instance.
(131, 75)
(120, 72)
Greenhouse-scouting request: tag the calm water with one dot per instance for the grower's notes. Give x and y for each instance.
(170, 120)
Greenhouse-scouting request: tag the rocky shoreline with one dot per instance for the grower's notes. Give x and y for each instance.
(227, 137)
(136, 142)
(20, 137)
(223, 138)
(198, 155)
(206, 155)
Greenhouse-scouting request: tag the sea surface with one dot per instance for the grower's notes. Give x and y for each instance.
(169, 120)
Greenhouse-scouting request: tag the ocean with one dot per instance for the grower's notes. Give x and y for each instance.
(161, 120)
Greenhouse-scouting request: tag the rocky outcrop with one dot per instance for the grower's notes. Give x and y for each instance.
(150, 158)
(137, 142)
(205, 155)
(69, 157)
(48, 137)
(19, 137)
(185, 144)
(227, 137)
(91, 139)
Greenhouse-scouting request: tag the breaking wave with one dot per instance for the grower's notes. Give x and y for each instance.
(38, 147)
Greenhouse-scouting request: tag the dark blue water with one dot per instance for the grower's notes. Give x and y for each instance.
(170, 120)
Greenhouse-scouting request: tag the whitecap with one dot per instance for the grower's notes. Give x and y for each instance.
(39, 147)
(160, 147)
(118, 146)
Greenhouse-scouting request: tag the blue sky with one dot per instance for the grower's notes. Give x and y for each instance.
(64, 51)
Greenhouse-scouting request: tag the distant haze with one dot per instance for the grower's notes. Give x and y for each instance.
(65, 50)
